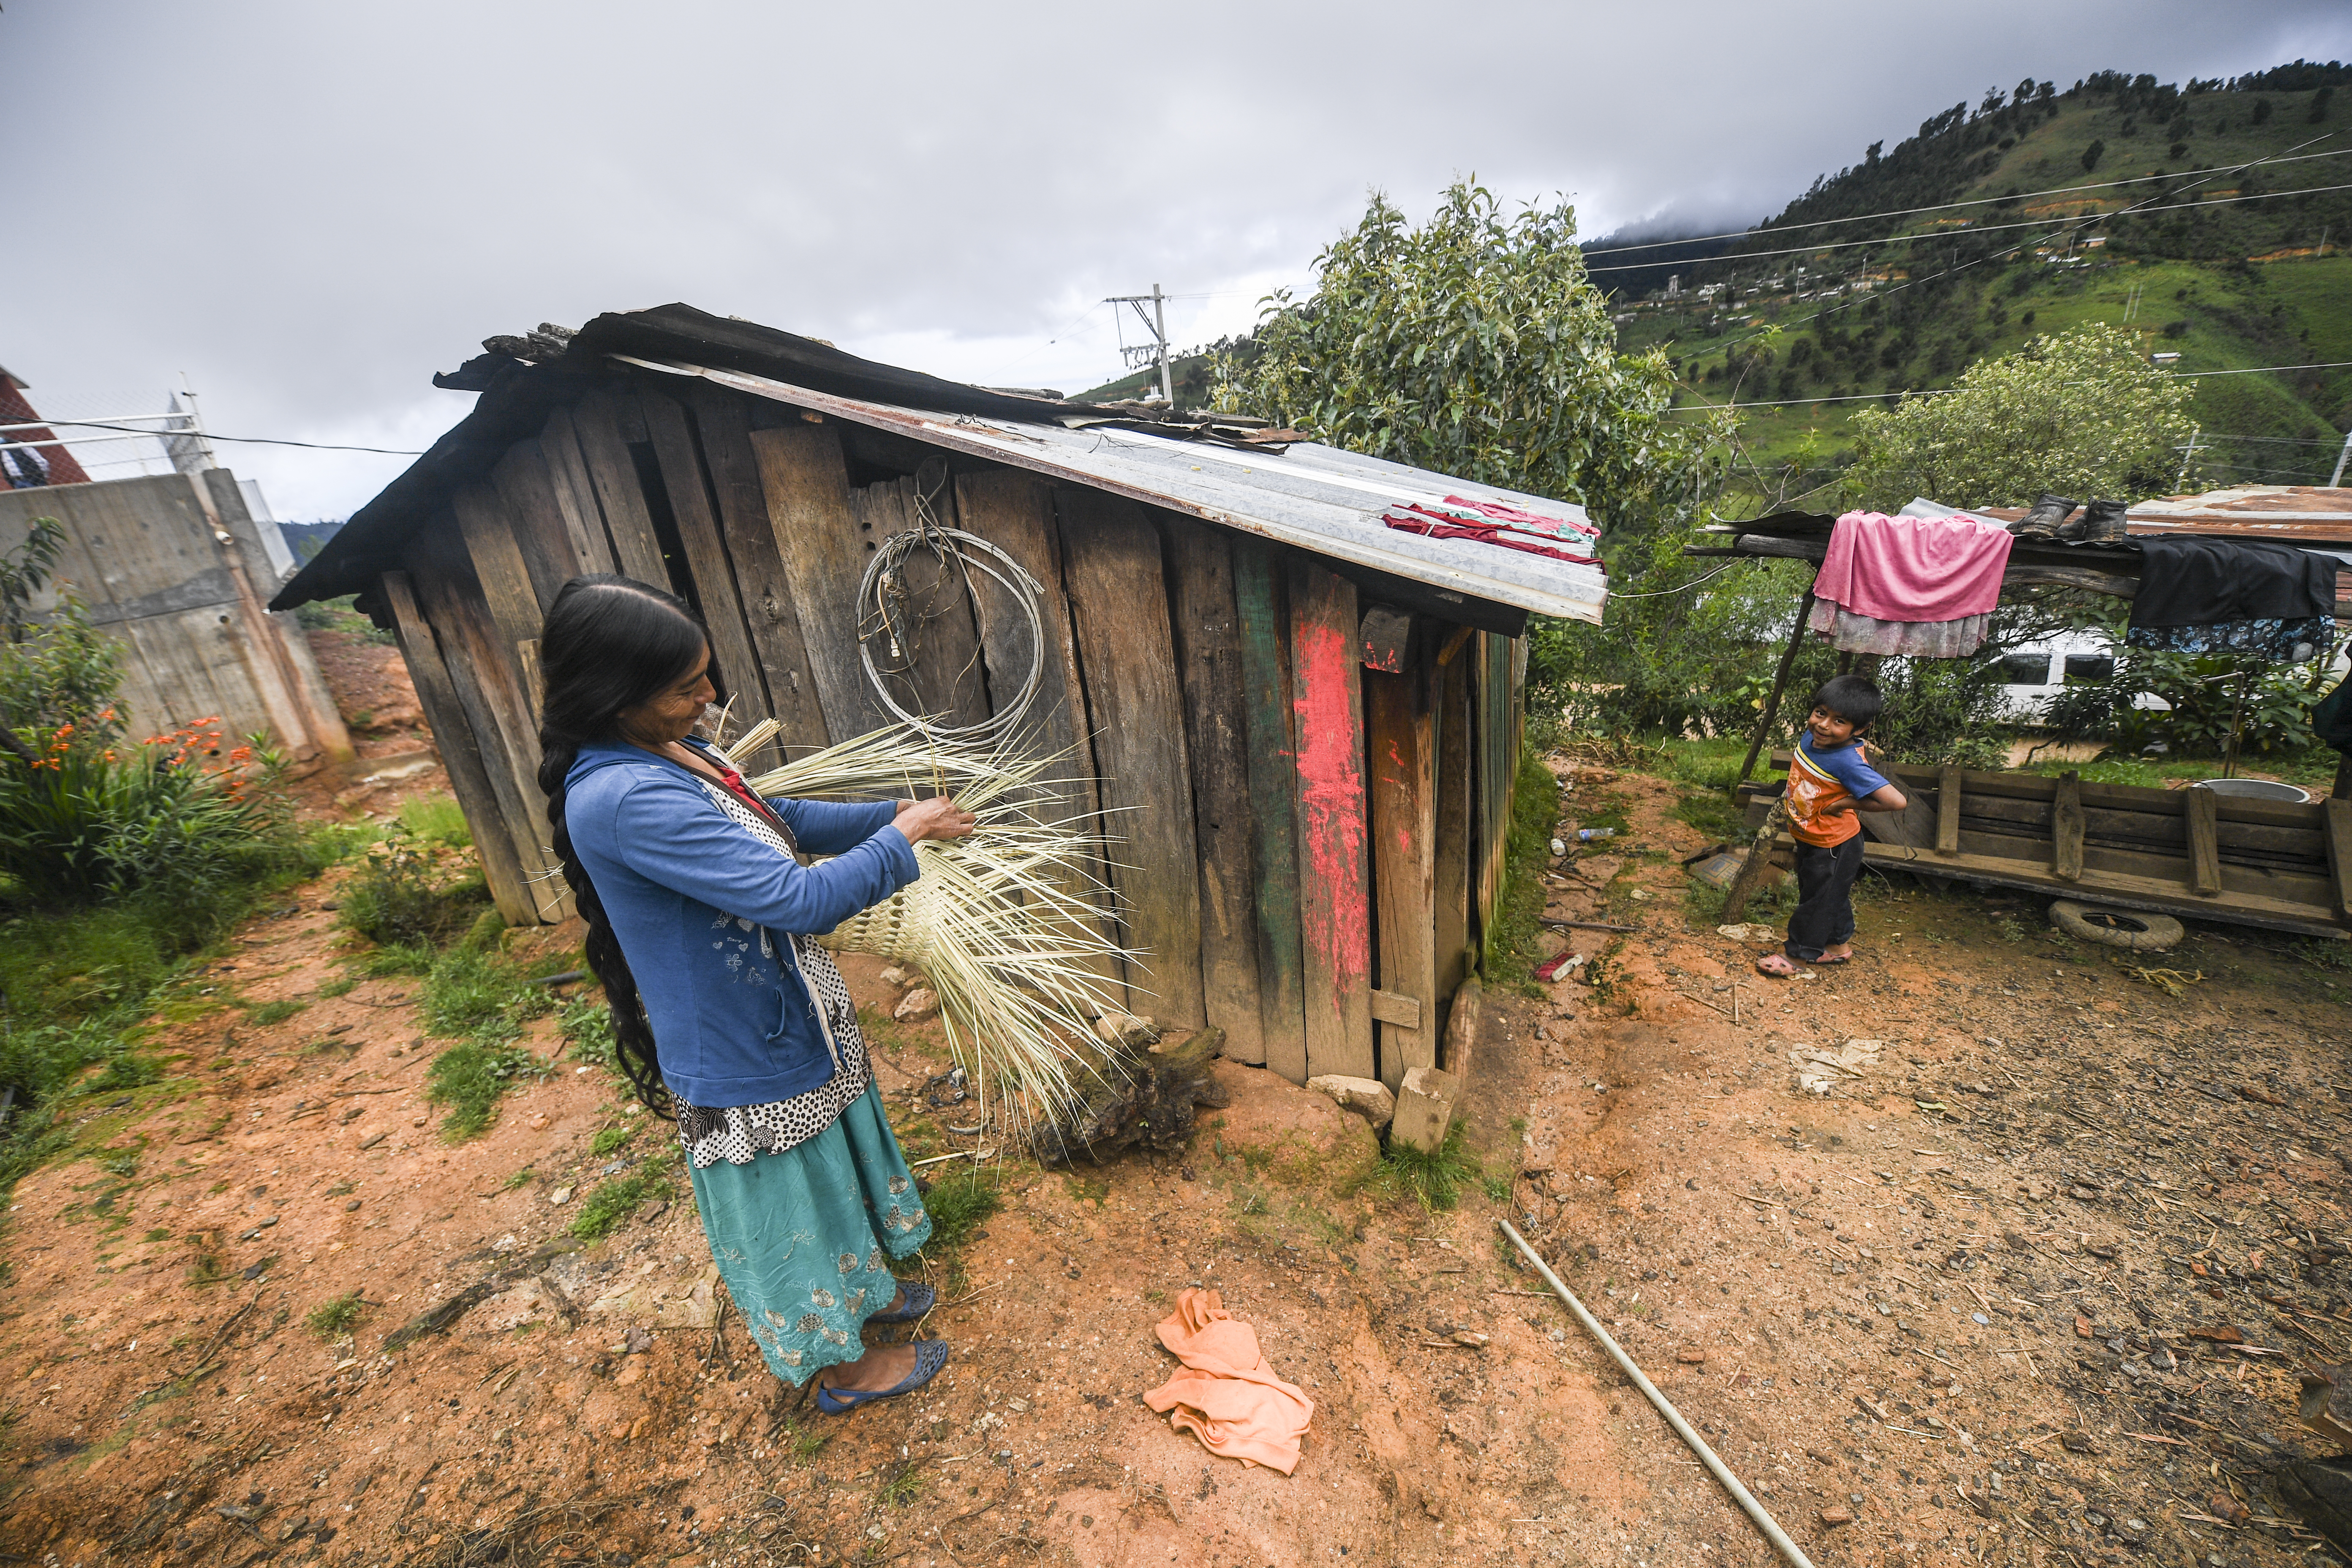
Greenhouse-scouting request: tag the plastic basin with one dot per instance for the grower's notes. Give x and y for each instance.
(2256, 789)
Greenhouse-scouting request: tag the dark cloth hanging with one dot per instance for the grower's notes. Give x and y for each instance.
(2188, 581)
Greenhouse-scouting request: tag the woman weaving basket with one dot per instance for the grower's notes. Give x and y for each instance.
(699, 925)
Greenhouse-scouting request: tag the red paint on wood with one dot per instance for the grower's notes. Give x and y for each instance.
(1331, 796)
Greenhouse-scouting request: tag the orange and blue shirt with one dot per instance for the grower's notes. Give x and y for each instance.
(1819, 780)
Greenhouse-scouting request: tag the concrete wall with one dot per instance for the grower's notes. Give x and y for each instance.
(174, 567)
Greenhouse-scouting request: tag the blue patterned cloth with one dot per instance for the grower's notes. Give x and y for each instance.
(2273, 640)
(804, 1238)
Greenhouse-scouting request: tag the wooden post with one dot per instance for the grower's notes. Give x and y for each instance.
(1779, 684)
(769, 613)
(1258, 603)
(2202, 809)
(949, 679)
(1135, 706)
(1759, 854)
(1208, 649)
(1397, 733)
(1947, 810)
(575, 492)
(2066, 829)
(745, 681)
(2337, 820)
(527, 491)
(489, 531)
(807, 482)
(602, 420)
(1453, 851)
(1335, 910)
(452, 737)
(1014, 511)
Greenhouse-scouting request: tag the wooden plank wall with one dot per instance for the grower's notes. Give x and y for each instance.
(1291, 824)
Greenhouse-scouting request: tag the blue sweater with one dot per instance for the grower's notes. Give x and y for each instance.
(688, 892)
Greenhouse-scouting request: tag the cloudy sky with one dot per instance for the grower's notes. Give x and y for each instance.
(310, 208)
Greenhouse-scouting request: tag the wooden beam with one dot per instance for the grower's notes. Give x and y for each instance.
(575, 492)
(1392, 1007)
(1454, 853)
(1779, 684)
(1014, 511)
(492, 545)
(2338, 816)
(942, 675)
(1135, 706)
(743, 681)
(2204, 842)
(452, 737)
(1209, 653)
(2067, 829)
(823, 554)
(1260, 612)
(601, 419)
(1387, 638)
(774, 623)
(1335, 906)
(523, 483)
(1947, 810)
(1403, 801)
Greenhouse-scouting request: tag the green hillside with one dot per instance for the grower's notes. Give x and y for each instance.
(2166, 244)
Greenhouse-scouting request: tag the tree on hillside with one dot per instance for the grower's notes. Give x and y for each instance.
(1476, 346)
(2082, 413)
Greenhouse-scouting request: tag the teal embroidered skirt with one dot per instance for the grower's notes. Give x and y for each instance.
(804, 1237)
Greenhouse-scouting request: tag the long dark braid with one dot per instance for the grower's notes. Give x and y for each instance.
(610, 643)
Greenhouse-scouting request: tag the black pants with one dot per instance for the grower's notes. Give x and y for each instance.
(1824, 912)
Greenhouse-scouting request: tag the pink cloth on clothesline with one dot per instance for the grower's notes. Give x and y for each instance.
(1914, 569)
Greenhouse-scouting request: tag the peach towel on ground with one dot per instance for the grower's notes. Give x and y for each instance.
(1227, 1395)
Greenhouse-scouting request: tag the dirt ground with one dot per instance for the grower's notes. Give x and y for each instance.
(2030, 1285)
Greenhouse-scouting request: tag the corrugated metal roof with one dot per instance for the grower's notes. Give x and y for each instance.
(1315, 496)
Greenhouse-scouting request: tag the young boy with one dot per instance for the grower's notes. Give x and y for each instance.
(1829, 781)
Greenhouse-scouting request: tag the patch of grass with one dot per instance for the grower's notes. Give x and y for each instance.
(436, 819)
(123, 1162)
(520, 1178)
(412, 890)
(1510, 947)
(1435, 1181)
(803, 1446)
(334, 988)
(132, 1069)
(587, 1023)
(337, 1317)
(901, 1486)
(470, 1078)
(615, 1200)
(608, 1139)
(957, 1204)
(400, 958)
(265, 1014)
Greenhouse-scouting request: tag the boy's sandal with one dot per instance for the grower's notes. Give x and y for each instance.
(1826, 962)
(919, 1298)
(1777, 965)
(929, 1356)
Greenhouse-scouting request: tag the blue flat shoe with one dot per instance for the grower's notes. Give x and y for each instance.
(920, 1298)
(929, 1356)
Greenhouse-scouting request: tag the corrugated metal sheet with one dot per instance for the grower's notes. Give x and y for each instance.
(1314, 497)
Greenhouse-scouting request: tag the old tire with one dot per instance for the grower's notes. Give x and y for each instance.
(2134, 931)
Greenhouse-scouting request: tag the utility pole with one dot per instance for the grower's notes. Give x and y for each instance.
(2336, 479)
(2188, 456)
(1156, 323)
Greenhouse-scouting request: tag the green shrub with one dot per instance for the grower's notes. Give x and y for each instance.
(1434, 1181)
(957, 1204)
(436, 819)
(615, 1200)
(336, 1316)
(406, 896)
(588, 1025)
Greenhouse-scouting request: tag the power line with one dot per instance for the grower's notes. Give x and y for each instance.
(214, 436)
(1940, 206)
(1942, 391)
(2141, 211)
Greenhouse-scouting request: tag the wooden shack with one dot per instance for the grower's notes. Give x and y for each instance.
(176, 569)
(1305, 724)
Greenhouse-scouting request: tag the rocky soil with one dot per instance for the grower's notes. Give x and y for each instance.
(2029, 1281)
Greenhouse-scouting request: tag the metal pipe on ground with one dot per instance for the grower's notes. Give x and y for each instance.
(1740, 1494)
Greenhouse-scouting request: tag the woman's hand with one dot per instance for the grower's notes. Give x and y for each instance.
(937, 817)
